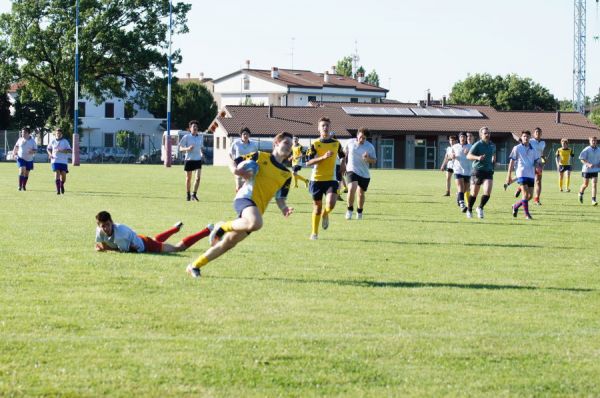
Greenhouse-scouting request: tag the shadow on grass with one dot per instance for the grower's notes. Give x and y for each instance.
(478, 245)
(410, 285)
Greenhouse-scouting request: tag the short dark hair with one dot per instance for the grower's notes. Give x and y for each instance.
(324, 119)
(26, 130)
(363, 130)
(281, 136)
(462, 134)
(245, 130)
(453, 137)
(526, 132)
(537, 129)
(193, 122)
(103, 216)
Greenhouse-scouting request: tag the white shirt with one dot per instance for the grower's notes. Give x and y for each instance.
(355, 162)
(122, 238)
(238, 148)
(25, 146)
(526, 158)
(591, 155)
(539, 146)
(59, 157)
(462, 165)
(197, 141)
(450, 162)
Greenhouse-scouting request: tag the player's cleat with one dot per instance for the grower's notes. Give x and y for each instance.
(210, 227)
(464, 208)
(594, 203)
(314, 237)
(505, 186)
(325, 221)
(515, 210)
(178, 225)
(561, 190)
(537, 202)
(469, 214)
(568, 190)
(306, 183)
(359, 216)
(517, 193)
(213, 238)
(62, 188)
(20, 188)
(479, 211)
(188, 197)
(528, 217)
(193, 271)
(195, 198)
(580, 198)
(348, 215)
(345, 190)
(446, 194)
(25, 188)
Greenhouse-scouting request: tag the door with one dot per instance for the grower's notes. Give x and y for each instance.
(430, 157)
(386, 153)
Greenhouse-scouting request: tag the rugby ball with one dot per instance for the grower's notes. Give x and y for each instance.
(249, 165)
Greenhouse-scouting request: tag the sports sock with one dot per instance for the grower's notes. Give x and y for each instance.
(359, 211)
(193, 238)
(460, 196)
(350, 208)
(467, 195)
(163, 236)
(301, 178)
(326, 211)
(471, 202)
(20, 181)
(526, 207)
(62, 186)
(518, 204)
(295, 180)
(316, 219)
(560, 181)
(227, 226)
(57, 182)
(484, 200)
(25, 179)
(200, 262)
(593, 199)
(189, 196)
(568, 181)
(536, 199)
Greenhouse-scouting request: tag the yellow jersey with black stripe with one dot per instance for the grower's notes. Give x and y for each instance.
(272, 180)
(325, 169)
(297, 153)
(564, 155)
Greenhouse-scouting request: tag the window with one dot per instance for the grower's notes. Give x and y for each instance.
(353, 99)
(312, 98)
(246, 83)
(109, 110)
(109, 140)
(218, 141)
(82, 109)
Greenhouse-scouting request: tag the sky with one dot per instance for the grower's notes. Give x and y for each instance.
(413, 45)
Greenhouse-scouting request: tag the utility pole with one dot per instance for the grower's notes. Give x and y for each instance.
(355, 59)
(579, 56)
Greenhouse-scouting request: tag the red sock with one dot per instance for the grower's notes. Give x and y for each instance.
(190, 240)
(163, 236)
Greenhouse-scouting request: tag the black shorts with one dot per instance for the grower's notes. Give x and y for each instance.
(589, 175)
(319, 188)
(562, 168)
(463, 177)
(338, 172)
(363, 182)
(478, 177)
(191, 165)
(449, 170)
(240, 204)
(296, 168)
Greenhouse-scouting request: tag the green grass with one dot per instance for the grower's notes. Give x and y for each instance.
(415, 300)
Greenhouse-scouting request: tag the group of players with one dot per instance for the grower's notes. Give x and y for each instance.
(472, 165)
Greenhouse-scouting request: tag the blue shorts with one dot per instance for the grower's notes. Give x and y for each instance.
(60, 167)
(319, 188)
(526, 181)
(562, 168)
(240, 204)
(465, 178)
(25, 163)
(296, 168)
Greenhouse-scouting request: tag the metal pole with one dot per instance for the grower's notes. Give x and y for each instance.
(75, 157)
(168, 138)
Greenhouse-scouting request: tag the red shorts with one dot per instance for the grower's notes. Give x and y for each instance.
(151, 245)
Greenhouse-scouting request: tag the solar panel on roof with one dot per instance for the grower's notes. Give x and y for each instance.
(446, 112)
(376, 111)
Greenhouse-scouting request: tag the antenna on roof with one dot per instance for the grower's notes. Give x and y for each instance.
(292, 52)
(355, 59)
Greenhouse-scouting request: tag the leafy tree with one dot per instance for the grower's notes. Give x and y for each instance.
(5, 119)
(33, 109)
(372, 78)
(566, 105)
(189, 101)
(505, 93)
(122, 46)
(128, 140)
(344, 66)
(594, 116)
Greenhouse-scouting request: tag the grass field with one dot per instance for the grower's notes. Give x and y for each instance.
(415, 300)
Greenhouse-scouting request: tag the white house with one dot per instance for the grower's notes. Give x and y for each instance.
(290, 87)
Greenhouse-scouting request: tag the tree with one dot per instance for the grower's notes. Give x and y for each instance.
(5, 119)
(566, 105)
(372, 78)
(189, 101)
(129, 141)
(122, 44)
(33, 109)
(344, 66)
(505, 93)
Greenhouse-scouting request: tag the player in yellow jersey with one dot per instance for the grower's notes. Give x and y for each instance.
(564, 156)
(272, 179)
(322, 156)
(298, 152)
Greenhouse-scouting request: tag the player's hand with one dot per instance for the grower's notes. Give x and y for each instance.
(328, 154)
(245, 174)
(287, 211)
(99, 247)
(482, 157)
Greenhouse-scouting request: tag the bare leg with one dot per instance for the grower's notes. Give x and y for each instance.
(351, 193)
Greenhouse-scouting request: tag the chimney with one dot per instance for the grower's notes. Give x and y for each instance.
(422, 104)
(360, 77)
(558, 117)
(247, 64)
(274, 72)
(201, 76)
(270, 111)
(333, 71)
(428, 103)
(188, 75)
(326, 77)
(444, 101)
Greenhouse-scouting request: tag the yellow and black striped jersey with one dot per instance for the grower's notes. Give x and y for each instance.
(325, 169)
(272, 180)
(564, 156)
(297, 153)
